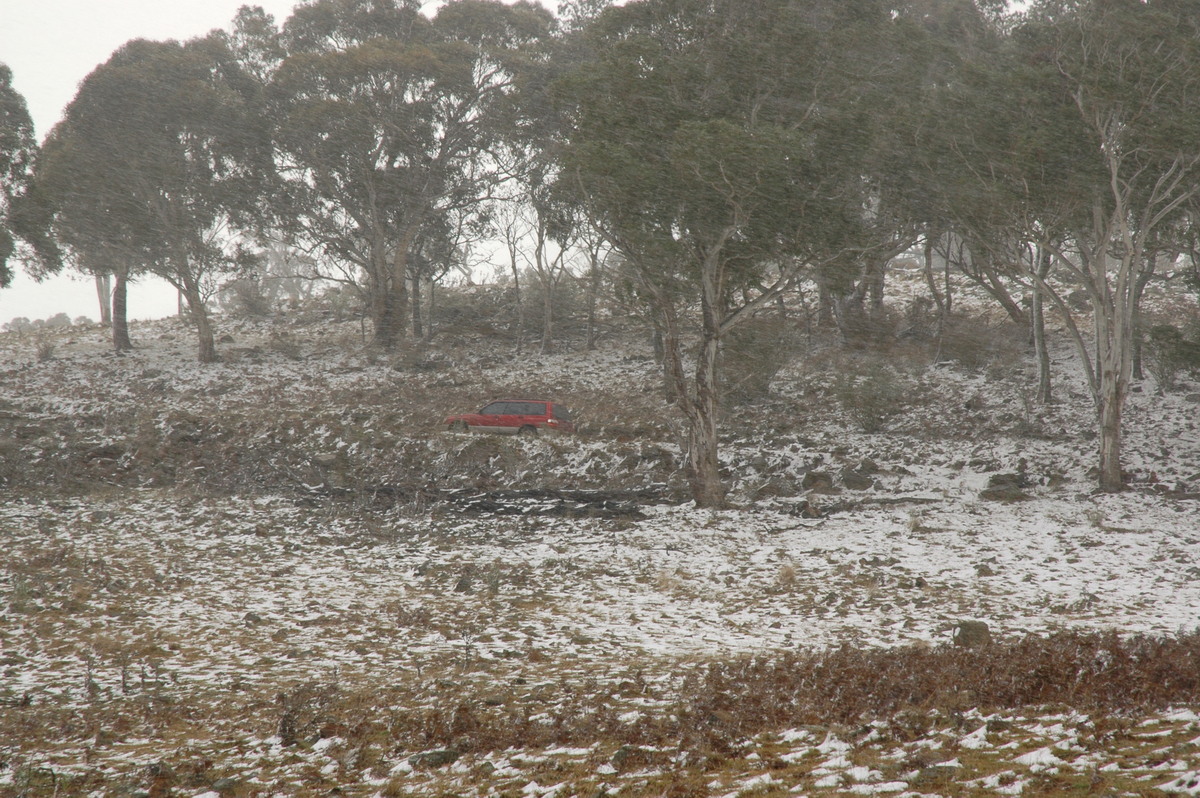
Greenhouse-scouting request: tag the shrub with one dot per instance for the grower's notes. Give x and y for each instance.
(974, 344)
(870, 393)
(1168, 351)
(245, 298)
(754, 352)
(44, 348)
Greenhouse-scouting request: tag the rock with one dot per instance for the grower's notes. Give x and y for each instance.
(1006, 488)
(932, 776)
(629, 757)
(867, 466)
(107, 451)
(225, 785)
(817, 482)
(1005, 494)
(1194, 398)
(778, 487)
(434, 759)
(855, 480)
(970, 634)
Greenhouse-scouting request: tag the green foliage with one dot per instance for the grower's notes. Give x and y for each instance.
(871, 394)
(156, 164)
(1169, 350)
(17, 148)
(388, 118)
(754, 353)
(694, 121)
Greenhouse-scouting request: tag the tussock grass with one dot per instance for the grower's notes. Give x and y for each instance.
(716, 705)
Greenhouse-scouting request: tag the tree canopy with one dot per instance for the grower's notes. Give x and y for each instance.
(17, 148)
(155, 165)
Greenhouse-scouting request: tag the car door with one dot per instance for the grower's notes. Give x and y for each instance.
(497, 417)
(513, 416)
(532, 414)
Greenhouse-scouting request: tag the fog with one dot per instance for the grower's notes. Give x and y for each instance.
(76, 296)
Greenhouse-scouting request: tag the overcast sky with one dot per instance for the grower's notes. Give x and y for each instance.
(51, 45)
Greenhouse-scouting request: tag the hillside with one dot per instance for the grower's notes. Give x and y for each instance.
(279, 575)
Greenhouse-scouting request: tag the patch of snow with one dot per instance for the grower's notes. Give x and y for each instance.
(1184, 784)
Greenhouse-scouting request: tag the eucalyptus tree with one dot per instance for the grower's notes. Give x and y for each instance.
(384, 120)
(17, 148)
(153, 167)
(1131, 70)
(1090, 151)
(66, 218)
(718, 143)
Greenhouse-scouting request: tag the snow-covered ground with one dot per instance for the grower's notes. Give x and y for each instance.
(148, 573)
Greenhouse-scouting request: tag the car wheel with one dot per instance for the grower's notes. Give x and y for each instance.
(527, 431)
(458, 426)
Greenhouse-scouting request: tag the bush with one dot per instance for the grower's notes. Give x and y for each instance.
(754, 352)
(871, 394)
(975, 344)
(245, 298)
(44, 347)
(1168, 351)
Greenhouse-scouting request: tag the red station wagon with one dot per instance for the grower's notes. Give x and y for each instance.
(514, 417)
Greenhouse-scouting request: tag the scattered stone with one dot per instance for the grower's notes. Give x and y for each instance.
(854, 480)
(434, 759)
(326, 459)
(867, 466)
(1006, 488)
(932, 776)
(817, 482)
(1007, 494)
(630, 757)
(970, 634)
(225, 785)
(108, 451)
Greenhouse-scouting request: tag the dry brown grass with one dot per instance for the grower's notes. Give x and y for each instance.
(718, 703)
(1091, 673)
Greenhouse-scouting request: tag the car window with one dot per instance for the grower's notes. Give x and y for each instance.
(532, 408)
(494, 409)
